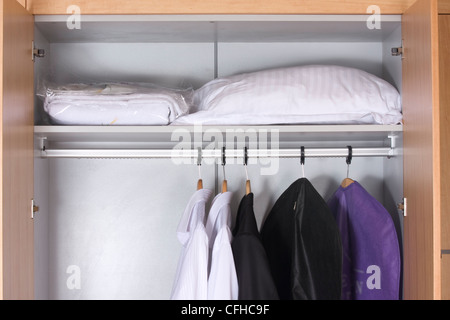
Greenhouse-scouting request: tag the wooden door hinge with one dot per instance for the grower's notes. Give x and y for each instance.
(403, 207)
(34, 209)
(35, 52)
(398, 51)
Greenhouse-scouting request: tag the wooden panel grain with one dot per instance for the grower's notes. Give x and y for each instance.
(444, 6)
(23, 3)
(444, 66)
(218, 6)
(17, 249)
(1, 157)
(444, 63)
(421, 151)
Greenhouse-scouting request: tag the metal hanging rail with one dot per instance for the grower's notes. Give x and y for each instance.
(213, 153)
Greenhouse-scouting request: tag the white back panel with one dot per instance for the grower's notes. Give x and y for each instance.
(237, 58)
(115, 220)
(167, 64)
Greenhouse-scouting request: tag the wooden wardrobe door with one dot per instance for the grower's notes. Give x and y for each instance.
(444, 92)
(421, 152)
(17, 123)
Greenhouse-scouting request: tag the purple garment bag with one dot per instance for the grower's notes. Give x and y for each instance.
(371, 252)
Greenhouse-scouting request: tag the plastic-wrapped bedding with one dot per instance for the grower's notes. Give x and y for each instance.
(114, 104)
(313, 94)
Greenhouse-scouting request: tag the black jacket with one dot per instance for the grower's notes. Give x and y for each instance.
(303, 245)
(252, 267)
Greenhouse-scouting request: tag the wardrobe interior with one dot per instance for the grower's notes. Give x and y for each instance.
(106, 228)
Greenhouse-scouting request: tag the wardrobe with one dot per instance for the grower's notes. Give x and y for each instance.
(91, 212)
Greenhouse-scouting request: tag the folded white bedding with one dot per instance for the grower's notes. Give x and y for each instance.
(315, 94)
(210, 118)
(113, 105)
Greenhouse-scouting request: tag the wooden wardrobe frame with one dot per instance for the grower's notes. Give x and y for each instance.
(426, 134)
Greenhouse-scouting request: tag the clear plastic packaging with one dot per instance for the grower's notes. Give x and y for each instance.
(114, 104)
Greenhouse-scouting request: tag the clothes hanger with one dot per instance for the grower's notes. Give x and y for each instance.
(225, 182)
(347, 181)
(248, 187)
(199, 164)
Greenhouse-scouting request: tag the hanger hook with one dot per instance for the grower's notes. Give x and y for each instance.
(245, 156)
(248, 187)
(224, 161)
(302, 160)
(349, 159)
(199, 165)
(200, 157)
(350, 155)
(246, 161)
(199, 162)
(302, 156)
(224, 158)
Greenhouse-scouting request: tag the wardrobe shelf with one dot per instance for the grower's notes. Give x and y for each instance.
(210, 28)
(262, 137)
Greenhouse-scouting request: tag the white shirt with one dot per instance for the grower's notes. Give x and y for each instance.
(191, 280)
(222, 279)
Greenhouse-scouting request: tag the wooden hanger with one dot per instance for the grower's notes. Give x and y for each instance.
(347, 181)
(248, 188)
(224, 186)
(200, 184)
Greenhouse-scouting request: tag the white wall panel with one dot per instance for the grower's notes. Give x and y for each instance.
(116, 221)
(168, 64)
(236, 58)
(392, 65)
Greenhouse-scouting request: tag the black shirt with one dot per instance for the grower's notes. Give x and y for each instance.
(252, 266)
